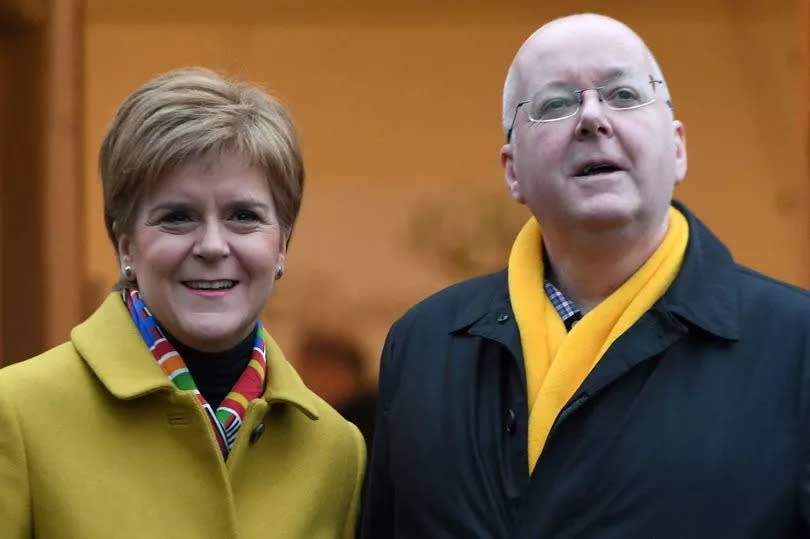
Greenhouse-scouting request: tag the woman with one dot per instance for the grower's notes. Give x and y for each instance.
(171, 412)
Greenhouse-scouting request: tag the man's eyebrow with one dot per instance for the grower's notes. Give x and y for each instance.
(613, 74)
(610, 76)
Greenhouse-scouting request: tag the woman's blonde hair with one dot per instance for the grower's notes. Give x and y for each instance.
(190, 114)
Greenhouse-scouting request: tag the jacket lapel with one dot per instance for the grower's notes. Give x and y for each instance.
(704, 297)
(111, 346)
(488, 314)
(284, 385)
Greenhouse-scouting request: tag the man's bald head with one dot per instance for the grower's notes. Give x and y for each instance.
(560, 30)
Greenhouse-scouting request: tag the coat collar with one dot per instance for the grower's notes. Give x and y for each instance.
(111, 346)
(490, 297)
(705, 293)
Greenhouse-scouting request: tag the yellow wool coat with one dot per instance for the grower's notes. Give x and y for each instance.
(96, 442)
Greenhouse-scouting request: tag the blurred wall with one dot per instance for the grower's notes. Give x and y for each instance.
(41, 256)
(22, 70)
(398, 107)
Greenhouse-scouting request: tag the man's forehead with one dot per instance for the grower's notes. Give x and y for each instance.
(574, 28)
(591, 64)
(590, 47)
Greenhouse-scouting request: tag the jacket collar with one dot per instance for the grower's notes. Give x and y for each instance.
(491, 297)
(111, 346)
(284, 385)
(705, 293)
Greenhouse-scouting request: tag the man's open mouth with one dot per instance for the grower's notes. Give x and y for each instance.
(597, 167)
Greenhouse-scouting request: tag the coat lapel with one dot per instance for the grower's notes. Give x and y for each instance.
(488, 314)
(703, 297)
(284, 385)
(111, 346)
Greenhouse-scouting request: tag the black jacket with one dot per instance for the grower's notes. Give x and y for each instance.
(694, 424)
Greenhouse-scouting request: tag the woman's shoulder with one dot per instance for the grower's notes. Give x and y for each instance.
(285, 380)
(52, 369)
(54, 359)
(317, 417)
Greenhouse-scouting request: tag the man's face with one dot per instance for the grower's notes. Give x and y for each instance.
(600, 169)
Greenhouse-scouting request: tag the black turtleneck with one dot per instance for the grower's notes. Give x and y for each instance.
(215, 373)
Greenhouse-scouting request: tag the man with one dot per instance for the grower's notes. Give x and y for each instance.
(623, 377)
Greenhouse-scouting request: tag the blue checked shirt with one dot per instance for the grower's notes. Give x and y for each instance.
(567, 309)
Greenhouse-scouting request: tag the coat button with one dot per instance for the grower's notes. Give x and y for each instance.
(257, 433)
(502, 318)
(510, 421)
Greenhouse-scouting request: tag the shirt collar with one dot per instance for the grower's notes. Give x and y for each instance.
(566, 308)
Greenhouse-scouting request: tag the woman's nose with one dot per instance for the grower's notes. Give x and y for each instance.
(212, 243)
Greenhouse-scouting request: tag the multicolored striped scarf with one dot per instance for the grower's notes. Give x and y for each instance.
(227, 419)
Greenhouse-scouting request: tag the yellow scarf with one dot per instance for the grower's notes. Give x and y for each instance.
(558, 362)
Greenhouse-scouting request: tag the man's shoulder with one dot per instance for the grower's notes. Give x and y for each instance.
(760, 287)
(447, 306)
(418, 340)
(770, 305)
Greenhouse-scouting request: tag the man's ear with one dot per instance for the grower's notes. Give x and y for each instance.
(508, 164)
(679, 134)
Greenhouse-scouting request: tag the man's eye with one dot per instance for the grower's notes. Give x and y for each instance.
(552, 104)
(623, 95)
(554, 107)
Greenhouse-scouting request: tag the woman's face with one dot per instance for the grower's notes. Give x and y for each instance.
(205, 249)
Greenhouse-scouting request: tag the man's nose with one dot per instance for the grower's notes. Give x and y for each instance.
(212, 243)
(593, 119)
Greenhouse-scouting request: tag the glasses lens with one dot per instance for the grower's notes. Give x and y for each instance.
(556, 103)
(627, 94)
(553, 104)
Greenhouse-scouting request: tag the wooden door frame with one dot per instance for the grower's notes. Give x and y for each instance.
(41, 274)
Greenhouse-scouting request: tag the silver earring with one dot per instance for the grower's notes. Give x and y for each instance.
(128, 273)
(279, 271)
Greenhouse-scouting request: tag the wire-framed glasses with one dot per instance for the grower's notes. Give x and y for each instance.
(558, 102)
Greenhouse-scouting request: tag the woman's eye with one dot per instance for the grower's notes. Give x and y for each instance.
(245, 216)
(176, 218)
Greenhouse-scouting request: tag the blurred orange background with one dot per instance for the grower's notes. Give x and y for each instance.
(398, 107)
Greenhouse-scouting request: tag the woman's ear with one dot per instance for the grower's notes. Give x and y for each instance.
(125, 256)
(284, 243)
(122, 241)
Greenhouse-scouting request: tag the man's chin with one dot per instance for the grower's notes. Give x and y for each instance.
(603, 215)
